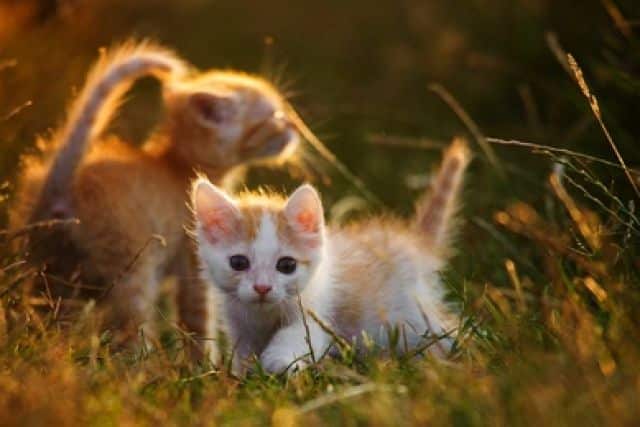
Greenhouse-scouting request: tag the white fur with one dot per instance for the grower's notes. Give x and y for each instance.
(274, 330)
(410, 298)
(266, 242)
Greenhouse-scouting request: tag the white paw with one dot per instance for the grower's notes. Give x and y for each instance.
(275, 363)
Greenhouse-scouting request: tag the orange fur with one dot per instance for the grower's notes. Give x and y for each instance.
(254, 205)
(91, 111)
(131, 202)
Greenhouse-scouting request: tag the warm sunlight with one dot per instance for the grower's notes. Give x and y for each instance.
(402, 212)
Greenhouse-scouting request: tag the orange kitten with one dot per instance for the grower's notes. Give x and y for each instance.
(131, 202)
(260, 251)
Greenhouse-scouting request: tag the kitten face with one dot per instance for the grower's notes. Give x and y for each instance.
(231, 118)
(259, 251)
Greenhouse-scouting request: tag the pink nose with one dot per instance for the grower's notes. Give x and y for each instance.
(262, 290)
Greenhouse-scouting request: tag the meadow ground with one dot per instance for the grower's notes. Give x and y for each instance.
(547, 274)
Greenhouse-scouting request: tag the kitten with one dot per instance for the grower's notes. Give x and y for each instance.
(125, 196)
(260, 251)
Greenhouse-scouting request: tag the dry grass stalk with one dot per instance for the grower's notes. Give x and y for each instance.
(595, 108)
(455, 106)
(590, 236)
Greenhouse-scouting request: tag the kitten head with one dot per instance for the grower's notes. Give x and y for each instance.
(225, 118)
(259, 249)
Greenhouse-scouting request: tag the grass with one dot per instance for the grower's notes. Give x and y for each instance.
(547, 275)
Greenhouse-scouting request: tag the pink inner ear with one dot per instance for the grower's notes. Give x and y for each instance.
(217, 224)
(304, 215)
(307, 221)
(215, 212)
(220, 224)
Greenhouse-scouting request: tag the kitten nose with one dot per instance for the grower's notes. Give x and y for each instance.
(262, 290)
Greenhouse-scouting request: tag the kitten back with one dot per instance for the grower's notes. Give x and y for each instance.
(94, 107)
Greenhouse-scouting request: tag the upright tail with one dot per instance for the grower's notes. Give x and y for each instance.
(91, 111)
(435, 213)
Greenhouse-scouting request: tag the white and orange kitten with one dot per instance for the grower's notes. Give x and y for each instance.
(260, 251)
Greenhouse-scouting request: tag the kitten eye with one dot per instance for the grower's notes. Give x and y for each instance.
(239, 262)
(286, 265)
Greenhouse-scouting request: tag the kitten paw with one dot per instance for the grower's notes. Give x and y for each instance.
(279, 364)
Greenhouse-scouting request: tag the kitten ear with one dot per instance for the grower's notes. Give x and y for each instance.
(215, 212)
(304, 211)
(210, 109)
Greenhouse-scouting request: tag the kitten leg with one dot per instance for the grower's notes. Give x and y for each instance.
(194, 310)
(242, 358)
(439, 323)
(130, 305)
(289, 345)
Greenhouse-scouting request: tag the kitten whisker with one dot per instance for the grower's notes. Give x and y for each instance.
(375, 276)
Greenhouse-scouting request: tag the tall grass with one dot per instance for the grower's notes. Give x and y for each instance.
(547, 275)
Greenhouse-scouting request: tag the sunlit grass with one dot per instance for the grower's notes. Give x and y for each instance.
(560, 348)
(547, 273)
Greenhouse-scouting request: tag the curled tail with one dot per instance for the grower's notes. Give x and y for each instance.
(91, 111)
(435, 213)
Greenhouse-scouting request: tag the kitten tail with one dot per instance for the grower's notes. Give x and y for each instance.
(94, 107)
(436, 212)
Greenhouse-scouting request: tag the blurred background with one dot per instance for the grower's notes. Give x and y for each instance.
(359, 73)
(548, 271)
